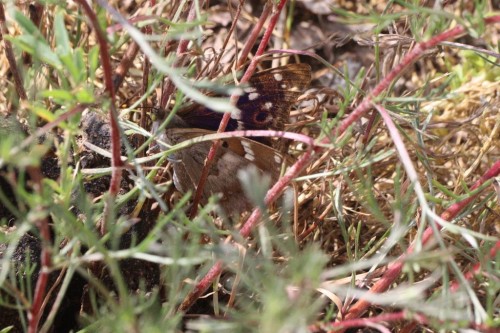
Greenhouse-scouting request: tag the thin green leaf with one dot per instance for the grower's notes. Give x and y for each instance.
(74, 71)
(61, 35)
(59, 95)
(26, 24)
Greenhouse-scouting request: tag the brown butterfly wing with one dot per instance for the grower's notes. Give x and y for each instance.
(235, 154)
(266, 103)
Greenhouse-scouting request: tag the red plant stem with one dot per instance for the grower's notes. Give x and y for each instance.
(125, 64)
(254, 35)
(101, 39)
(409, 58)
(455, 285)
(409, 328)
(394, 270)
(277, 189)
(216, 269)
(201, 286)
(145, 82)
(181, 50)
(9, 53)
(234, 99)
(116, 162)
(207, 280)
(386, 318)
(183, 43)
(36, 310)
(454, 209)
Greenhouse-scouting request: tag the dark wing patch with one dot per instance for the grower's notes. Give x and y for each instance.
(264, 105)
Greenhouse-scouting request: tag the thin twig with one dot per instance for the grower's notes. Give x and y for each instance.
(252, 38)
(116, 162)
(229, 34)
(387, 318)
(181, 50)
(36, 310)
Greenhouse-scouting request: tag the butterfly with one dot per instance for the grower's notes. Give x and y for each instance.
(264, 105)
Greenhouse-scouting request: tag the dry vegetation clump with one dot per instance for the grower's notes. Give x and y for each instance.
(386, 218)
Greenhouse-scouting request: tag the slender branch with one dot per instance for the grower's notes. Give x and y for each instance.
(229, 35)
(455, 285)
(101, 39)
(387, 318)
(201, 286)
(125, 64)
(254, 34)
(278, 188)
(116, 162)
(145, 84)
(409, 58)
(181, 50)
(42, 224)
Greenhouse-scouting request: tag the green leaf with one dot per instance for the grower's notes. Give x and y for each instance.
(59, 95)
(43, 113)
(93, 60)
(6, 329)
(73, 70)
(25, 43)
(38, 48)
(79, 61)
(84, 96)
(26, 24)
(61, 35)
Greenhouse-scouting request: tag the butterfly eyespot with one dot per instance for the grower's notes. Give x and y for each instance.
(261, 117)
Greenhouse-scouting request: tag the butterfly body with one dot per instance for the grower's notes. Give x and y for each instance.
(264, 105)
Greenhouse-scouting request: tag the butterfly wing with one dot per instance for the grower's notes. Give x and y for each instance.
(271, 94)
(264, 105)
(234, 154)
